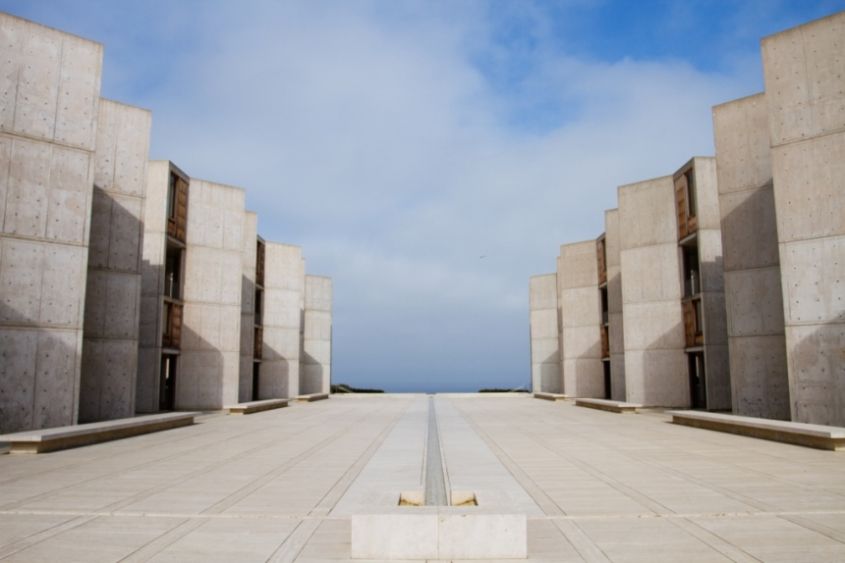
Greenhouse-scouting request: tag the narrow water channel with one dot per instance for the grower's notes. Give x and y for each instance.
(435, 481)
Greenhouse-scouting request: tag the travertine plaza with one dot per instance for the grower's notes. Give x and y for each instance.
(143, 314)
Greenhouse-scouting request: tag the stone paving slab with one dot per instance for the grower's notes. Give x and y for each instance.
(263, 487)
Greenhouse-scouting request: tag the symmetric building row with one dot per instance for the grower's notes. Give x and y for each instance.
(127, 286)
(722, 285)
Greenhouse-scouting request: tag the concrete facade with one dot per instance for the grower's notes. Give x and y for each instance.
(544, 334)
(48, 112)
(753, 297)
(655, 364)
(804, 69)
(113, 294)
(703, 299)
(248, 295)
(316, 359)
(583, 374)
(284, 295)
(614, 304)
(209, 370)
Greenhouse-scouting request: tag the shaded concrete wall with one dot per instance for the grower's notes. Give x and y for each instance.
(753, 297)
(284, 294)
(48, 111)
(580, 305)
(544, 335)
(655, 364)
(712, 285)
(152, 286)
(316, 360)
(805, 90)
(614, 305)
(250, 238)
(110, 345)
(209, 365)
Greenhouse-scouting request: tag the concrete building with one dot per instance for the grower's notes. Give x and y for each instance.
(316, 359)
(703, 300)
(804, 71)
(580, 310)
(209, 371)
(113, 294)
(613, 296)
(655, 363)
(162, 290)
(544, 334)
(250, 315)
(50, 100)
(282, 342)
(753, 297)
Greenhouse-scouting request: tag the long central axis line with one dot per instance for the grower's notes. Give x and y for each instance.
(435, 482)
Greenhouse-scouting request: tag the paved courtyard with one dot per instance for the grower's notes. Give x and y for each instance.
(280, 485)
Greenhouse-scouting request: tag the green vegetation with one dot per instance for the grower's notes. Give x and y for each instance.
(344, 388)
(498, 390)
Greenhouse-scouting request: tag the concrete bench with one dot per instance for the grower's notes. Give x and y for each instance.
(312, 397)
(256, 406)
(797, 433)
(550, 396)
(607, 405)
(63, 437)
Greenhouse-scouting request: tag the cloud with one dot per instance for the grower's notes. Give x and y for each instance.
(401, 142)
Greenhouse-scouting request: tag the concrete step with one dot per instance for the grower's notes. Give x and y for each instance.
(550, 396)
(310, 398)
(250, 407)
(619, 407)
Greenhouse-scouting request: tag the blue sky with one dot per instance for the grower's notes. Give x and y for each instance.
(399, 142)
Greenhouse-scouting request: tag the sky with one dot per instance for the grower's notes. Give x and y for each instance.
(429, 156)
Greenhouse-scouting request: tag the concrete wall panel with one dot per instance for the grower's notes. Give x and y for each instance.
(249, 257)
(651, 274)
(616, 324)
(317, 336)
(815, 274)
(284, 296)
(544, 333)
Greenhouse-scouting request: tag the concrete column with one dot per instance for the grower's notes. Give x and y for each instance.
(315, 372)
(284, 285)
(753, 297)
(48, 113)
(543, 327)
(580, 305)
(804, 69)
(209, 366)
(247, 355)
(110, 345)
(614, 305)
(655, 364)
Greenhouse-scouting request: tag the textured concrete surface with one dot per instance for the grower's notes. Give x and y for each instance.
(544, 334)
(48, 111)
(803, 69)
(209, 366)
(614, 304)
(753, 297)
(580, 321)
(284, 298)
(316, 361)
(113, 294)
(264, 487)
(250, 238)
(655, 364)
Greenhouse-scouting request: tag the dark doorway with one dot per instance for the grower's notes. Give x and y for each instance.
(256, 395)
(697, 380)
(167, 383)
(607, 393)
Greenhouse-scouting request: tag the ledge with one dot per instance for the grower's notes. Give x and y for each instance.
(63, 437)
(256, 406)
(311, 398)
(550, 396)
(619, 407)
(796, 433)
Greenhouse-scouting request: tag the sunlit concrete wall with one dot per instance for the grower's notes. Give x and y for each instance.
(247, 355)
(804, 70)
(110, 345)
(284, 295)
(48, 112)
(209, 365)
(580, 306)
(316, 360)
(655, 364)
(753, 297)
(544, 337)
(614, 304)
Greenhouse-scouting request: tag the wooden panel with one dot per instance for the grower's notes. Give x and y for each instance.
(605, 342)
(601, 253)
(258, 343)
(259, 264)
(172, 337)
(681, 205)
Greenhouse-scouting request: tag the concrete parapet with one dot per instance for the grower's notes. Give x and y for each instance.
(544, 334)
